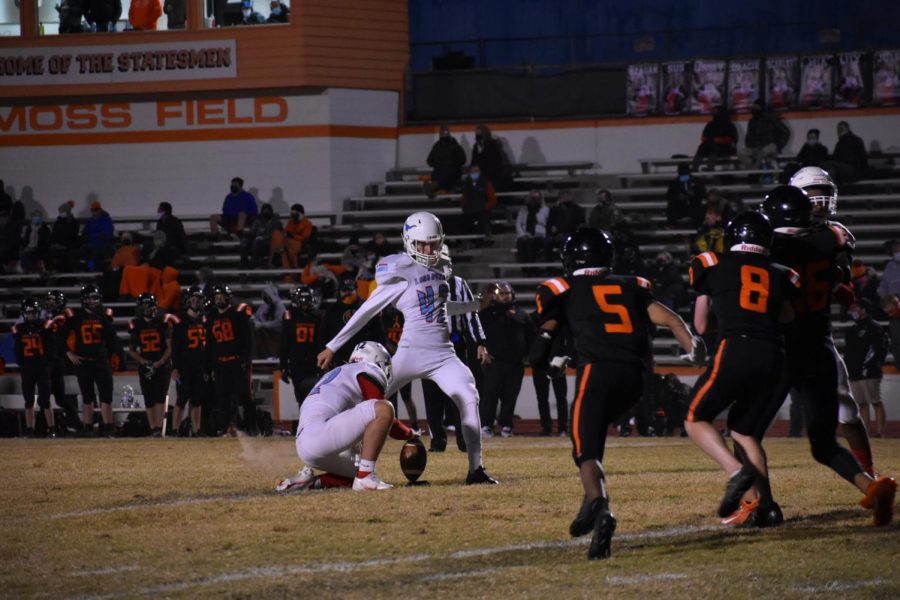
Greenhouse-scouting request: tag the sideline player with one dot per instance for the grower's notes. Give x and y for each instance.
(747, 296)
(823, 194)
(346, 406)
(414, 282)
(301, 330)
(814, 251)
(151, 347)
(188, 352)
(35, 349)
(610, 317)
(55, 309)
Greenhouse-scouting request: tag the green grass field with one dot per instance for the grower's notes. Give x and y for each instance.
(189, 518)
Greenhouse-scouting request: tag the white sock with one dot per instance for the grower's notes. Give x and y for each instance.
(366, 466)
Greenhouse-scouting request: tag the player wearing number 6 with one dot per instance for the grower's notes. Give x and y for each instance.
(416, 285)
(610, 316)
(749, 296)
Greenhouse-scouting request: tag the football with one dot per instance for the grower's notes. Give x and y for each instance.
(413, 458)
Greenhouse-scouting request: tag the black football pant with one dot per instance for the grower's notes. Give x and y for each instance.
(303, 385)
(93, 374)
(36, 377)
(502, 382)
(190, 388)
(155, 387)
(233, 391)
(68, 404)
(542, 391)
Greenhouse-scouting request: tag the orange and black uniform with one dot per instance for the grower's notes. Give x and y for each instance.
(189, 357)
(91, 336)
(608, 317)
(150, 339)
(812, 361)
(35, 343)
(747, 292)
(301, 341)
(58, 367)
(229, 355)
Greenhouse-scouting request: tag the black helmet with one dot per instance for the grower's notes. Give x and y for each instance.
(194, 291)
(788, 206)
(146, 305)
(749, 231)
(90, 295)
(56, 300)
(587, 248)
(302, 297)
(221, 290)
(31, 309)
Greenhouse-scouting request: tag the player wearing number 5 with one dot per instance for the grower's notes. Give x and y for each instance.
(151, 347)
(188, 352)
(415, 283)
(229, 352)
(749, 296)
(610, 317)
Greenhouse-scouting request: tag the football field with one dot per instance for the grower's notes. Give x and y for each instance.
(198, 518)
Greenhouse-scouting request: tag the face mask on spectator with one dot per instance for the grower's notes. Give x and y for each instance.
(812, 141)
(854, 315)
(475, 176)
(276, 11)
(36, 220)
(246, 12)
(63, 214)
(684, 178)
(234, 188)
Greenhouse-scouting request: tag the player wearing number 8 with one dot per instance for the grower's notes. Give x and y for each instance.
(749, 296)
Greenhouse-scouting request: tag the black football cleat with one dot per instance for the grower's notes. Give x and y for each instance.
(601, 543)
(587, 514)
(739, 483)
(769, 516)
(479, 476)
(438, 445)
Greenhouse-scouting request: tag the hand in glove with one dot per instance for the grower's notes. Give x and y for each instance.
(557, 367)
(697, 355)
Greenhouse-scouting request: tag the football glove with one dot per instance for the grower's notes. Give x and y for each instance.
(697, 355)
(557, 367)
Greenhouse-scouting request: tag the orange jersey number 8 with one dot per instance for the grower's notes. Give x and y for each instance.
(223, 331)
(754, 289)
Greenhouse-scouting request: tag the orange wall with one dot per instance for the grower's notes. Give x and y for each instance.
(329, 43)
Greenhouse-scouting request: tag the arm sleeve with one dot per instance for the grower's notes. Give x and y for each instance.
(383, 295)
(370, 389)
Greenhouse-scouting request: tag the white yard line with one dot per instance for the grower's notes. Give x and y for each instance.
(106, 571)
(157, 504)
(633, 579)
(839, 586)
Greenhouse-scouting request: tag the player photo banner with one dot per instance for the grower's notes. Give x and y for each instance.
(676, 86)
(708, 89)
(781, 82)
(743, 84)
(642, 89)
(848, 91)
(886, 78)
(815, 82)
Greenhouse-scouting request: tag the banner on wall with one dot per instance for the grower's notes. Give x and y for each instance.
(886, 78)
(743, 84)
(781, 82)
(815, 82)
(676, 85)
(708, 89)
(848, 90)
(642, 85)
(209, 59)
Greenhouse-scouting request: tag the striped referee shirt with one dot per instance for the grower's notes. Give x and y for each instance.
(468, 323)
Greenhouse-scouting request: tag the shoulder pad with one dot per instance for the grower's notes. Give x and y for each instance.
(557, 285)
(108, 312)
(708, 259)
(287, 315)
(845, 238)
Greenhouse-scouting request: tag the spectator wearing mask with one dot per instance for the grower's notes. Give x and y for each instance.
(127, 255)
(65, 242)
(531, 228)
(354, 259)
(719, 139)
(605, 215)
(143, 14)
(238, 210)
(9, 244)
(97, 235)
(711, 235)
(278, 12)
(889, 292)
(685, 199)
(478, 198)
(35, 244)
(176, 12)
(71, 12)
(813, 153)
(103, 14)
(849, 161)
(266, 321)
(446, 160)
(261, 240)
(250, 16)
(157, 253)
(176, 238)
(488, 155)
(564, 219)
(865, 349)
(766, 136)
(297, 232)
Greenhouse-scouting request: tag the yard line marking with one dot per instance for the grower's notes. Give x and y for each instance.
(349, 567)
(629, 580)
(839, 586)
(157, 504)
(106, 571)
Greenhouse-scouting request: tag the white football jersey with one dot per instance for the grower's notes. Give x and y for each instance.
(337, 391)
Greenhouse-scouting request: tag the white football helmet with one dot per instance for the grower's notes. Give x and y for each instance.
(423, 227)
(820, 188)
(374, 353)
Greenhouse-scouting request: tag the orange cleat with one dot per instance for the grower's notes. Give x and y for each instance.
(743, 516)
(880, 499)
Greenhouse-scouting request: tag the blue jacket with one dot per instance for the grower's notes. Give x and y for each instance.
(244, 202)
(98, 232)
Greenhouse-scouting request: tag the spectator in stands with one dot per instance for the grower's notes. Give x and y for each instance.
(488, 155)
(531, 228)
(685, 199)
(71, 13)
(278, 12)
(813, 153)
(628, 252)
(446, 160)
(9, 244)
(766, 136)
(297, 233)
(103, 14)
(205, 281)
(143, 14)
(258, 243)
(64, 239)
(98, 237)
(267, 322)
(889, 291)
(565, 219)
(719, 138)
(176, 11)
(379, 246)
(605, 214)
(865, 285)
(729, 206)
(176, 238)
(127, 254)
(354, 259)
(170, 297)
(250, 16)
(668, 282)
(478, 198)
(317, 274)
(849, 161)
(238, 210)
(865, 349)
(340, 312)
(35, 244)
(6, 201)
(711, 235)
(157, 253)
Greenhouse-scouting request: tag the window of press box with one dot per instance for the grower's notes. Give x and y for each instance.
(70, 16)
(10, 23)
